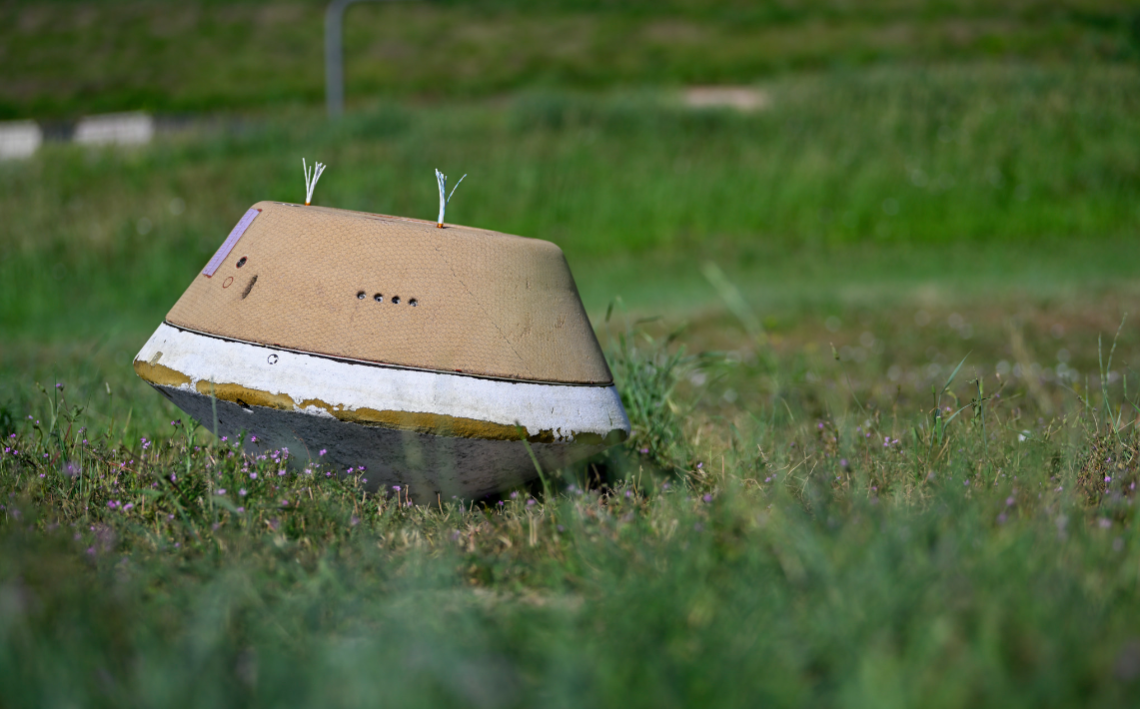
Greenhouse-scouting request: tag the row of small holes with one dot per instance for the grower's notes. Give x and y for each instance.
(379, 298)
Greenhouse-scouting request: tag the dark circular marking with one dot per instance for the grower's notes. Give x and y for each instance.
(395, 300)
(241, 261)
(360, 295)
(378, 298)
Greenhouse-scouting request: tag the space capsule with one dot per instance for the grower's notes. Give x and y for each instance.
(438, 359)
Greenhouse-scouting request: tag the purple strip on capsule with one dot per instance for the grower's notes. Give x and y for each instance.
(230, 242)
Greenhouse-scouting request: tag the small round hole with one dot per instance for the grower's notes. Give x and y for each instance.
(241, 261)
(413, 302)
(360, 295)
(395, 300)
(378, 298)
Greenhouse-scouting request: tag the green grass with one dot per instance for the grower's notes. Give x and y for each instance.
(777, 553)
(997, 177)
(68, 58)
(755, 542)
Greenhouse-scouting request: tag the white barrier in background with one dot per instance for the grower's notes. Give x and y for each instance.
(19, 139)
(742, 98)
(115, 129)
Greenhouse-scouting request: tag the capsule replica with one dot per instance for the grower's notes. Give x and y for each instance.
(439, 359)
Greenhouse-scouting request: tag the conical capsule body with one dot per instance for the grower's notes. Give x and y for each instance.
(427, 356)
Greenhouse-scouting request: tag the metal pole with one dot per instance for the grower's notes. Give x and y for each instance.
(334, 55)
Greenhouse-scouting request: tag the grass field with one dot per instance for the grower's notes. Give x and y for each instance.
(65, 58)
(870, 339)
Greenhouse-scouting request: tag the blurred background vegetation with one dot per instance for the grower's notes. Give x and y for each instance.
(905, 185)
(889, 155)
(64, 58)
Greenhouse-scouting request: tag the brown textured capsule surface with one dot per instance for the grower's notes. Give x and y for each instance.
(487, 304)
